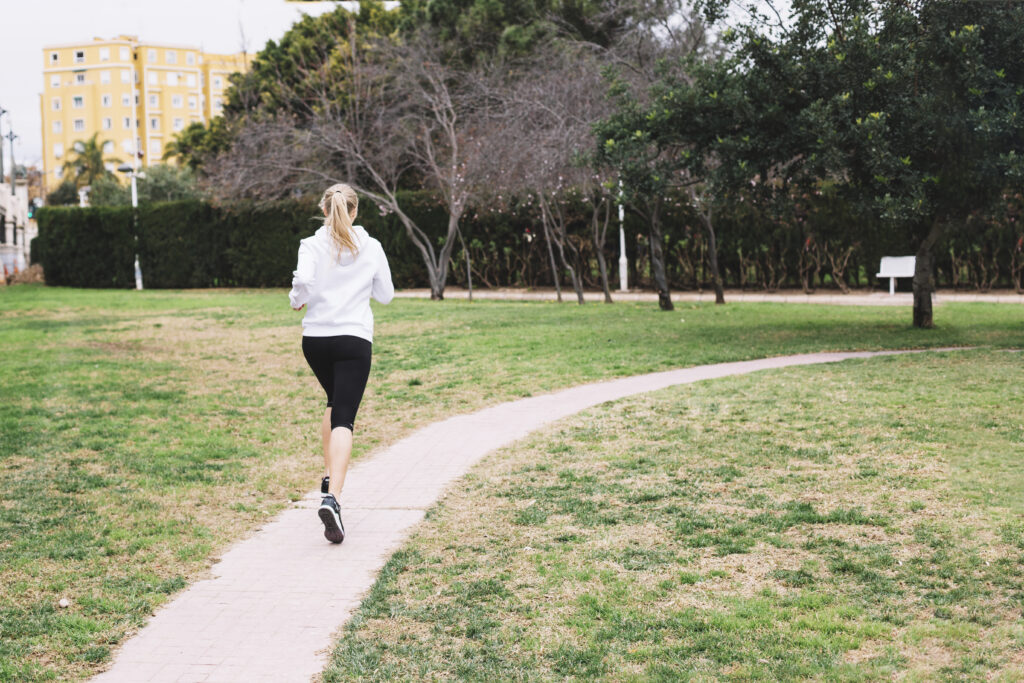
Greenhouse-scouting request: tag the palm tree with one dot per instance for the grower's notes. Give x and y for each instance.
(85, 162)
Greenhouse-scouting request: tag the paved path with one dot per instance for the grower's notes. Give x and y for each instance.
(277, 598)
(823, 296)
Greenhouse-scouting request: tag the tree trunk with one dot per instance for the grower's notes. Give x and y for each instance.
(551, 257)
(716, 277)
(924, 282)
(437, 268)
(573, 275)
(469, 272)
(599, 239)
(658, 258)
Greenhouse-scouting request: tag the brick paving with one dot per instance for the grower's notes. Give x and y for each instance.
(277, 598)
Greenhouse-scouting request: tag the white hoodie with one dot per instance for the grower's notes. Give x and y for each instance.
(337, 290)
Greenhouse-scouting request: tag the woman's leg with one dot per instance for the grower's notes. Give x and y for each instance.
(340, 454)
(319, 353)
(350, 377)
(325, 439)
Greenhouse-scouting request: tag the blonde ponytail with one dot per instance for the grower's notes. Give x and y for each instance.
(340, 205)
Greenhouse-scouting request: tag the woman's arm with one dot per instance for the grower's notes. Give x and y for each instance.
(383, 290)
(303, 277)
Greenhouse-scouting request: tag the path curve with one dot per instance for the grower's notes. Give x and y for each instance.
(276, 598)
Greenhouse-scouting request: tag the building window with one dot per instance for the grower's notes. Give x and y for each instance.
(126, 145)
(79, 79)
(127, 122)
(123, 54)
(192, 103)
(104, 77)
(108, 147)
(108, 123)
(154, 100)
(217, 82)
(56, 104)
(217, 103)
(104, 54)
(54, 58)
(77, 101)
(79, 125)
(154, 149)
(154, 124)
(151, 55)
(106, 100)
(79, 56)
(58, 127)
(179, 124)
(190, 58)
(58, 172)
(176, 101)
(172, 79)
(126, 76)
(126, 100)
(58, 150)
(171, 56)
(190, 80)
(55, 81)
(151, 77)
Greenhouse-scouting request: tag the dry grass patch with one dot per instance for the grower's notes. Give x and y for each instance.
(631, 541)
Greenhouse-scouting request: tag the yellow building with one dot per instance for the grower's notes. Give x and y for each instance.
(136, 95)
(216, 70)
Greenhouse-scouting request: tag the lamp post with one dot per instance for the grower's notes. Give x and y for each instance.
(132, 174)
(623, 261)
(11, 137)
(2, 112)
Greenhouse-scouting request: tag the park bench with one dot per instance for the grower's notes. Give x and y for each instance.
(893, 267)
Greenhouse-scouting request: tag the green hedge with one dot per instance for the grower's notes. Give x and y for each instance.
(190, 243)
(91, 247)
(195, 244)
(180, 245)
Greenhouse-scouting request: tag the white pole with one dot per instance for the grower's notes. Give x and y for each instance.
(135, 170)
(135, 210)
(623, 262)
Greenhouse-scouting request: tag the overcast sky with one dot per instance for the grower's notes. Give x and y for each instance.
(28, 25)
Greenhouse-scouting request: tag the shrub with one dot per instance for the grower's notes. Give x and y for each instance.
(91, 247)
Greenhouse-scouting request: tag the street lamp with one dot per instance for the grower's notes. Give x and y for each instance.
(623, 261)
(132, 173)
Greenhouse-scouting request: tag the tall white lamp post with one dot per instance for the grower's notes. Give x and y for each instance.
(132, 173)
(623, 262)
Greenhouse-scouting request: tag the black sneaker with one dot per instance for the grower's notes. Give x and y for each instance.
(330, 515)
(324, 484)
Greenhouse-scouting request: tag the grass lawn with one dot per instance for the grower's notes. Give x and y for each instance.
(850, 522)
(142, 432)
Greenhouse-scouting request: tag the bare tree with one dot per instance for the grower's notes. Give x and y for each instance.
(404, 112)
(550, 105)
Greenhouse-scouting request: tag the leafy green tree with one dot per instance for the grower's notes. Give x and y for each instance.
(159, 183)
(199, 142)
(312, 57)
(472, 29)
(913, 110)
(109, 191)
(65, 194)
(655, 94)
(86, 162)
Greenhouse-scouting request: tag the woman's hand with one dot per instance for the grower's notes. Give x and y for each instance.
(299, 308)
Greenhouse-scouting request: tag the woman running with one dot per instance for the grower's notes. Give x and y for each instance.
(340, 268)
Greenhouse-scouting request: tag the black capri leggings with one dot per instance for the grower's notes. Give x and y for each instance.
(341, 365)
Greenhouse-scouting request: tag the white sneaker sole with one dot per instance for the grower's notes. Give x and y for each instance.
(334, 531)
